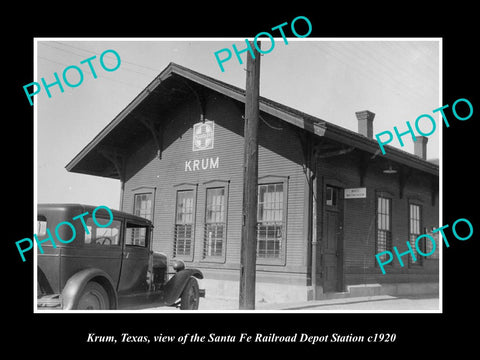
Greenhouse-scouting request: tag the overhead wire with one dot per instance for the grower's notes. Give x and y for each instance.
(87, 78)
(93, 52)
(383, 78)
(356, 57)
(123, 61)
(99, 75)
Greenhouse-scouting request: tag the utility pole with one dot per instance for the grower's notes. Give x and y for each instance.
(248, 255)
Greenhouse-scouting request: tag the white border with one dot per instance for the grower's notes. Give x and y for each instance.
(169, 310)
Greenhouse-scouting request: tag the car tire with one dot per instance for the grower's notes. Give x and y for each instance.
(190, 297)
(93, 297)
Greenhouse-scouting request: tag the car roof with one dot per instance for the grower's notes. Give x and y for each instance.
(72, 210)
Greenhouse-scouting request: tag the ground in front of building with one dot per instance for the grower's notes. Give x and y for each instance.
(428, 303)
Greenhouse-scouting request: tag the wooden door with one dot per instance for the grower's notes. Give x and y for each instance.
(333, 242)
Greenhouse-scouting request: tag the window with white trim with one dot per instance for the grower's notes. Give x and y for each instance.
(384, 226)
(415, 226)
(143, 205)
(184, 222)
(215, 222)
(270, 221)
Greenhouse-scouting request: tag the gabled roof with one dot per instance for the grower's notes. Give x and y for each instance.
(87, 162)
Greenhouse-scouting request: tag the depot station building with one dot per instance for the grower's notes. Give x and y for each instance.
(328, 200)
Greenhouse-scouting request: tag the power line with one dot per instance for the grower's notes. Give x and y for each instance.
(99, 76)
(93, 52)
(123, 61)
(382, 75)
(362, 61)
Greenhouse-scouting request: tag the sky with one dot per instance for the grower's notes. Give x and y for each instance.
(397, 79)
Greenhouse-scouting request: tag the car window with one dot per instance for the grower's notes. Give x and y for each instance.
(136, 235)
(108, 236)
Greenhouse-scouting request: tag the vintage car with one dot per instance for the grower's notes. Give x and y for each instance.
(106, 267)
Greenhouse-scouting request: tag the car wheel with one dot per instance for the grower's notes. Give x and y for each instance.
(190, 296)
(94, 297)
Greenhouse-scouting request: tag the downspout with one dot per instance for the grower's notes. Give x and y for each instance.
(309, 169)
(314, 234)
(122, 183)
(313, 185)
(122, 189)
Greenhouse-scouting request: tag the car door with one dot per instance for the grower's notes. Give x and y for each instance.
(99, 248)
(135, 259)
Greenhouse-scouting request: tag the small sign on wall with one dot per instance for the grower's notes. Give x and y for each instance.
(356, 193)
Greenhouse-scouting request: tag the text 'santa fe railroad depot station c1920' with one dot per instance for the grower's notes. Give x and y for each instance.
(328, 201)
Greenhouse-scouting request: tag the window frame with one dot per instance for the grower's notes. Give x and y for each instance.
(389, 232)
(210, 185)
(335, 194)
(90, 244)
(422, 244)
(181, 188)
(281, 259)
(148, 234)
(144, 190)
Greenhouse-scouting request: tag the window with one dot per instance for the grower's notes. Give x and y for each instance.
(270, 216)
(331, 196)
(215, 223)
(136, 235)
(384, 226)
(108, 236)
(415, 224)
(143, 205)
(184, 220)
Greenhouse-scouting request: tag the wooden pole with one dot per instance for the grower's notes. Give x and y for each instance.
(248, 255)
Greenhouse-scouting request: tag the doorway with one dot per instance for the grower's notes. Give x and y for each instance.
(332, 247)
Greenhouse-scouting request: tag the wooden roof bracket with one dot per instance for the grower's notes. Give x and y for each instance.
(156, 133)
(304, 144)
(200, 97)
(116, 157)
(310, 150)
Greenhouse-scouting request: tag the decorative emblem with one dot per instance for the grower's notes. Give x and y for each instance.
(203, 136)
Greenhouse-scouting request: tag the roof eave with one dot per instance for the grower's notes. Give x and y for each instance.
(128, 109)
(314, 125)
(369, 145)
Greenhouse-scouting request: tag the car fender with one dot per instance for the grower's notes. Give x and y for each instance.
(174, 287)
(77, 282)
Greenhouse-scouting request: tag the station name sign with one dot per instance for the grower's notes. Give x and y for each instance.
(356, 193)
(202, 164)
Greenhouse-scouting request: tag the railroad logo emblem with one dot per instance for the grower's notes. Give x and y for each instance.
(203, 136)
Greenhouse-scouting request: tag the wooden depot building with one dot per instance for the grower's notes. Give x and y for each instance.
(328, 201)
